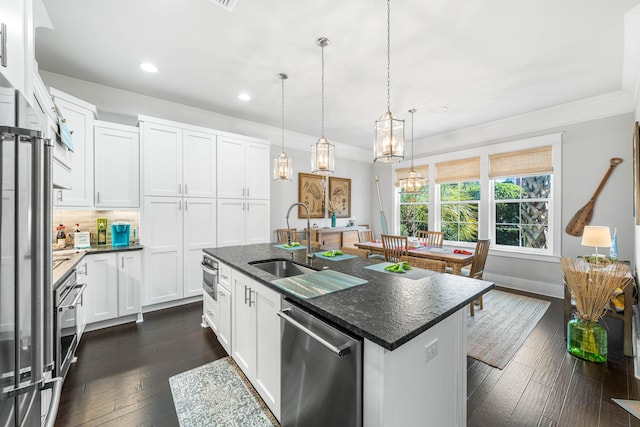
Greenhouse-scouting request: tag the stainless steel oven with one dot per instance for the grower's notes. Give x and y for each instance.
(210, 276)
(67, 297)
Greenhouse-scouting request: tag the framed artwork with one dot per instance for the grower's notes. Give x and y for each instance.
(636, 172)
(311, 192)
(340, 190)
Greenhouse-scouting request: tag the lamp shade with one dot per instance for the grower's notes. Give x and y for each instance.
(596, 236)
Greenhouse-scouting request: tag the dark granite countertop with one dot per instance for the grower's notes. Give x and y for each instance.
(389, 310)
(70, 258)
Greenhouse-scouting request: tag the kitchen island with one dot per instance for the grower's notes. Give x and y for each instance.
(414, 333)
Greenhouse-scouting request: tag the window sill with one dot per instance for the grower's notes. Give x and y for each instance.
(525, 255)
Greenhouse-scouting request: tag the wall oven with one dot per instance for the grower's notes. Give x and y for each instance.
(210, 276)
(67, 297)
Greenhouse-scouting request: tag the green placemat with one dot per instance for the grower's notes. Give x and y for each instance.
(336, 257)
(318, 283)
(413, 274)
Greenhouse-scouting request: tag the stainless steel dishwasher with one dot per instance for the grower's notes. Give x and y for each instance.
(321, 375)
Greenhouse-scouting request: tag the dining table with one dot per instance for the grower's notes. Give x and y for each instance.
(456, 258)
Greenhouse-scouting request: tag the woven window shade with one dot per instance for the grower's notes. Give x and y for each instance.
(524, 162)
(422, 170)
(458, 170)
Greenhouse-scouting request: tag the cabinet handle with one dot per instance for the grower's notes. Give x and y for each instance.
(251, 292)
(3, 45)
(179, 205)
(245, 294)
(179, 188)
(186, 205)
(247, 191)
(243, 191)
(186, 189)
(122, 258)
(98, 197)
(59, 195)
(248, 204)
(220, 294)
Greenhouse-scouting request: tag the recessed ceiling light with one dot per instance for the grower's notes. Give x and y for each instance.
(149, 67)
(244, 96)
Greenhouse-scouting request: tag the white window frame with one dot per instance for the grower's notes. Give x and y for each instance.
(459, 202)
(486, 208)
(399, 205)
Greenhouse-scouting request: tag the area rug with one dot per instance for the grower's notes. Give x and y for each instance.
(497, 331)
(218, 394)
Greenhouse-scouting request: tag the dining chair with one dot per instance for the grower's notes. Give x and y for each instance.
(349, 238)
(430, 238)
(283, 234)
(394, 247)
(477, 266)
(362, 253)
(429, 264)
(365, 235)
(314, 239)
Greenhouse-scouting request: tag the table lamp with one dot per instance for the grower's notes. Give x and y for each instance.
(596, 236)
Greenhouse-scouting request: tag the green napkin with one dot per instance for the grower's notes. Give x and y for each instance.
(332, 253)
(400, 267)
(292, 245)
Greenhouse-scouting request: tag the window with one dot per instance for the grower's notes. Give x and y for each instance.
(522, 211)
(414, 211)
(459, 210)
(522, 197)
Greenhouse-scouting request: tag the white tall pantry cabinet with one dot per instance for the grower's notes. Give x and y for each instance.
(179, 207)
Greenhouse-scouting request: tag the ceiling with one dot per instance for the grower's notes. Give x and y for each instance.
(459, 62)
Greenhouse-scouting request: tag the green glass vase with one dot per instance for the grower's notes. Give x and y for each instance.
(333, 219)
(587, 340)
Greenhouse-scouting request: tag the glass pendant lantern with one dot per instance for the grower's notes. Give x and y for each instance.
(388, 145)
(282, 164)
(413, 182)
(322, 152)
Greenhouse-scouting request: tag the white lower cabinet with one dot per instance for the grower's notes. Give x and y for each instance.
(113, 280)
(224, 326)
(255, 340)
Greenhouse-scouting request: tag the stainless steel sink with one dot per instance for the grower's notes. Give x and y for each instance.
(281, 267)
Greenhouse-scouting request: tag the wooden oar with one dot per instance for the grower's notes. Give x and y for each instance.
(383, 220)
(583, 216)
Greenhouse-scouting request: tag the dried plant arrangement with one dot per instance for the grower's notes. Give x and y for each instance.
(593, 287)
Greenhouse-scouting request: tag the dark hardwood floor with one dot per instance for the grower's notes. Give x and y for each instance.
(121, 377)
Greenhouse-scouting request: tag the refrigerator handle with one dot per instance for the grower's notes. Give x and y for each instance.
(38, 248)
(339, 351)
(52, 413)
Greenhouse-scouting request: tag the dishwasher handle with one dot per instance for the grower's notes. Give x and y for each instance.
(339, 351)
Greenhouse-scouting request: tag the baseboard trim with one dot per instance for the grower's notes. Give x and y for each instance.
(169, 304)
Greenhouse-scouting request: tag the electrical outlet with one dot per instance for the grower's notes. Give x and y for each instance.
(431, 350)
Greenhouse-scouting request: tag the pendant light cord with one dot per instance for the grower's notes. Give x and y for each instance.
(388, 55)
(322, 109)
(283, 77)
(413, 110)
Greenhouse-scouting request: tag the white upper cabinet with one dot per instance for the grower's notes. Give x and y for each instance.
(17, 41)
(117, 166)
(162, 159)
(243, 168)
(80, 117)
(177, 161)
(199, 161)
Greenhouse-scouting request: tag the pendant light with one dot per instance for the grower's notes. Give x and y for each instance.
(413, 182)
(388, 145)
(282, 164)
(322, 152)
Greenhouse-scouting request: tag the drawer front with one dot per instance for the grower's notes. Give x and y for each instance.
(224, 278)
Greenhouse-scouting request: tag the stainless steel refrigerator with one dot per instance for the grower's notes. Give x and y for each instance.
(29, 395)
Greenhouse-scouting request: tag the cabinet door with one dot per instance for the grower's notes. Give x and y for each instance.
(231, 167)
(162, 238)
(162, 160)
(210, 312)
(129, 282)
(231, 222)
(12, 14)
(102, 287)
(243, 343)
(258, 163)
(199, 164)
(80, 121)
(199, 233)
(267, 371)
(257, 228)
(224, 327)
(117, 166)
